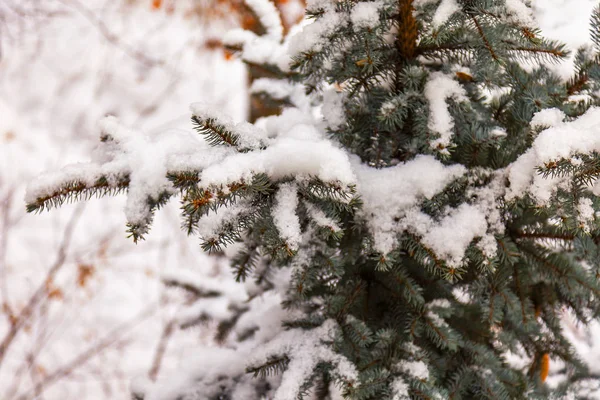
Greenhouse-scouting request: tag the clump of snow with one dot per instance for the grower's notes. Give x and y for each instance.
(498, 132)
(286, 156)
(417, 369)
(461, 295)
(547, 118)
(305, 350)
(145, 159)
(576, 161)
(438, 89)
(387, 108)
(520, 13)
(366, 14)
(523, 178)
(400, 389)
(333, 107)
(435, 317)
(264, 49)
(440, 303)
(451, 236)
(561, 140)
(269, 17)
(209, 226)
(248, 135)
(201, 374)
(580, 98)
(444, 12)
(319, 217)
(565, 139)
(585, 212)
(388, 194)
(284, 214)
(315, 34)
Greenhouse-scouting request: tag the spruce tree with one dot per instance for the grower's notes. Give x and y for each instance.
(420, 214)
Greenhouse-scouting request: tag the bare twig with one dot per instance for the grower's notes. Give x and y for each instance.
(111, 37)
(161, 349)
(41, 291)
(5, 205)
(109, 340)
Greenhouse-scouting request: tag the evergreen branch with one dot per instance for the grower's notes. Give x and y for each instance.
(537, 50)
(520, 293)
(413, 290)
(349, 301)
(560, 271)
(216, 134)
(193, 289)
(138, 229)
(595, 27)
(274, 366)
(79, 190)
(484, 38)
(184, 180)
(244, 262)
(543, 235)
(577, 84)
(427, 257)
(424, 48)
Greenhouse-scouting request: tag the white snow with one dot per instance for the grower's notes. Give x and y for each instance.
(521, 13)
(286, 156)
(451, 236)
(439, 88)
(417, 369)
(461, 295)
(547, 118)
(144, 158)
(561, 140)
(498, 132)
(305, 349)
(266, 49)
(586, 212)
(333, 107)
(297, 148)
(366, 14)
(319, 217)
(209, 226)
(390, 193)
(400, 389)
(444, 12)
(284, 214)
(248, 135)
(315, 34)
(268, 16)
(440, 303)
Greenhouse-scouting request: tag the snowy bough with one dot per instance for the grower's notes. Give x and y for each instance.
(414, 222)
